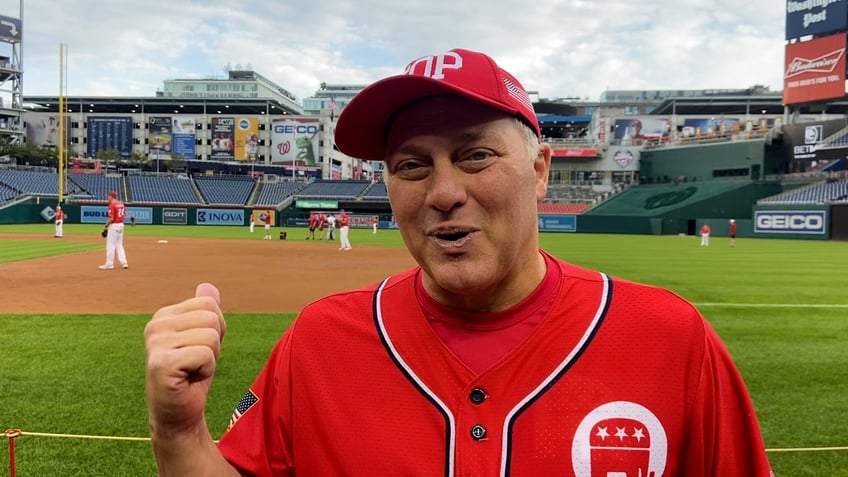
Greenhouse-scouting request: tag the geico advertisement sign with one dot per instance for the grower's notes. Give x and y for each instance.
(789, 222)
(296, 128)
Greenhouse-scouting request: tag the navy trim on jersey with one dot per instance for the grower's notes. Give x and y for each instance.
(548, 383)
(413, 378)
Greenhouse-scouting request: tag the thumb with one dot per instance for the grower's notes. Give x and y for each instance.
(208, 289)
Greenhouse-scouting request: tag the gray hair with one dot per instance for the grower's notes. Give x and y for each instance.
(531, 140)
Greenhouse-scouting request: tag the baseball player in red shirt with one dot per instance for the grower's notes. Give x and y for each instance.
(58, 220)
(732, 232)
(313, 222)
(491, 357)
(705, 235)
(115, 229)
(267, 219)
(252, 221)
(344, 231)
(321, 220)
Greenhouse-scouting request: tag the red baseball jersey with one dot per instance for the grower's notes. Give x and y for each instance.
(618, 379)
(344, 220)
(705, 229)
(117, 212)
(733, 228)
(268, 218)
(60, 215)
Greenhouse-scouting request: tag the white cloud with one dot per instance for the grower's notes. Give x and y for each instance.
(558, 48)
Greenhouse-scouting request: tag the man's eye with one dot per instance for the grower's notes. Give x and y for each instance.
(408, 166)
(479, 155)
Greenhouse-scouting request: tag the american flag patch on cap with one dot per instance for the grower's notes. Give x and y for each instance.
(246, 403)
(518, 93)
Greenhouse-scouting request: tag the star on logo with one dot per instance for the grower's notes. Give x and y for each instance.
(620, 433)
(602, 433)
(638, 434)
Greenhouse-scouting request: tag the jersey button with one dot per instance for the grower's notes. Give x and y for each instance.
(477, 396)
(478, 432)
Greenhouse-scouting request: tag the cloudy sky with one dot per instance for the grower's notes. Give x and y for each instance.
(560, 48)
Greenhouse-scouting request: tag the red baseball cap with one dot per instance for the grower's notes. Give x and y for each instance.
(113, 194)
(363, 123)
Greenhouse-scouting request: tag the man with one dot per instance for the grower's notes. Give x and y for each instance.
(115, 233)
(374, 221)
(732, 232)
(252, 221)
(344, 231)
(705, 235)
(331, 226)
(313, 222)
(267, 225)
(489, 358)
(321, 220)
(58, 219)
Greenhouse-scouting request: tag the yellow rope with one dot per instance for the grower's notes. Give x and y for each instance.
(17, 432)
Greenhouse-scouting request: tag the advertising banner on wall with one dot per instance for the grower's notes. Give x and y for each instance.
(294, 140)
(219, 216)
(801, 141)
(815, 17)
(247, 139)
(106, 133)
(159, 138)
(43, 129)
(719, 126)
(639, 130)
(814, 70)
(223, 140)
(183, 137)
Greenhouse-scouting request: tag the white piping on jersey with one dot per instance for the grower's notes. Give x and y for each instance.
(378, 311)
(556, 373)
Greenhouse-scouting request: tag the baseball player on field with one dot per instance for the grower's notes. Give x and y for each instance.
(115, 229)
(267, 219)
(491, 357)
(344, 231)
(58, 220)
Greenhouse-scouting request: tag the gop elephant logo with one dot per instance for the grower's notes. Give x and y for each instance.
(620, 439)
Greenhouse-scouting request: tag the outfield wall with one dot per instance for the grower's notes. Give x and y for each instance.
(807, 222)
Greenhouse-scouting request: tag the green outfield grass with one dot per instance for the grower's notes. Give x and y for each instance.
(780, 306)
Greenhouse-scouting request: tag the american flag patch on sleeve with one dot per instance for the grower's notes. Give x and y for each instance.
(246, 403)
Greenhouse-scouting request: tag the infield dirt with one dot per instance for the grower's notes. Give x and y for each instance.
(254, 276)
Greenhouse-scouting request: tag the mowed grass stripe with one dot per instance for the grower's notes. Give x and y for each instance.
(12, 250)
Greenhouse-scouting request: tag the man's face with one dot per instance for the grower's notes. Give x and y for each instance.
(464, 192)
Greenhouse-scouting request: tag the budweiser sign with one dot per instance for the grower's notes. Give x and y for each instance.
(823, 64)
(814, 70)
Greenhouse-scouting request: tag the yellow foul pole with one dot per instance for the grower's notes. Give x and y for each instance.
(61, 119)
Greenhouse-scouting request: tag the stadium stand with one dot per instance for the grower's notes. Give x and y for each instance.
(31, 182)
(162, 190)
(335, 189)
(571, 193)
(554, 208)
(274, 193)
(95, 187)
(818, 193)
(225, 189)
(376, 191)
(6, 193)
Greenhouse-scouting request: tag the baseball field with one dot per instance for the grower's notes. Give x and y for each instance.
(72, 358)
